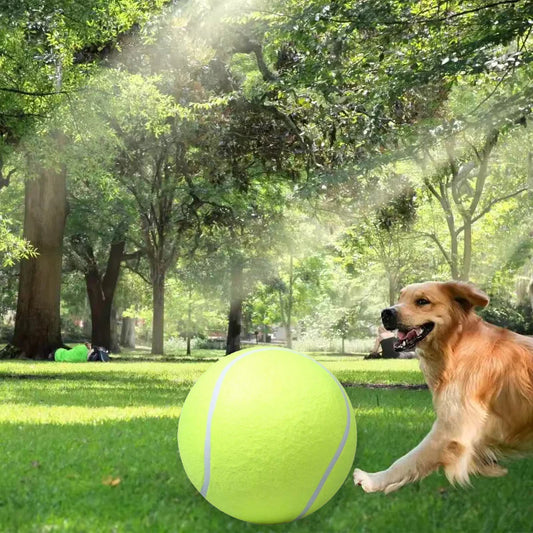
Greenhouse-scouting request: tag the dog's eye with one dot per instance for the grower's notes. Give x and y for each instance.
(422, 301)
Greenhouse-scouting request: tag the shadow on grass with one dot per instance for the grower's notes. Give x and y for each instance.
(118, 391)
(96, 393)
(89, 377)
(170, 359)
(104, 373)
(82, 376)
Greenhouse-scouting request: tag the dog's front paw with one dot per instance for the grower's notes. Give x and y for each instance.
(369, 482)
(379, 481)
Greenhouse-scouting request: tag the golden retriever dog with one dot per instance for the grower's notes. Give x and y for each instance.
(481, 380)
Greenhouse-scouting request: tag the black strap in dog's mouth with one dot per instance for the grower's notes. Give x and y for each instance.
(409, 337)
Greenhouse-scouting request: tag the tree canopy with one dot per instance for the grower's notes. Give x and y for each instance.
(259, 156)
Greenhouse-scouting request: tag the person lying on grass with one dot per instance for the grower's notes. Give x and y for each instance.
(81, 354)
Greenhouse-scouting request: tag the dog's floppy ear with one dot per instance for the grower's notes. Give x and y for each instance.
(467, 295)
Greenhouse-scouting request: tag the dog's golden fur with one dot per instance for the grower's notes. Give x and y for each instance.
(481, 380)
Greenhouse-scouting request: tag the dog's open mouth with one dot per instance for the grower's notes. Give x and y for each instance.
(408, 338)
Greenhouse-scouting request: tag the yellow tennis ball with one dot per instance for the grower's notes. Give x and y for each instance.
(267, 435)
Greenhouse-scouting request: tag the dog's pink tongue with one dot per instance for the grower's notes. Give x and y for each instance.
(411, 334)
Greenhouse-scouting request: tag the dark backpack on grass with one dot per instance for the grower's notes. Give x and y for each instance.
(98, 355)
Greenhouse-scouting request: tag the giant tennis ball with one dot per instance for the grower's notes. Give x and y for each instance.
(267, 435)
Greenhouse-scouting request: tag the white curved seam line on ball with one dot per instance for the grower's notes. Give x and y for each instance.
(340, 448)
(210, 413)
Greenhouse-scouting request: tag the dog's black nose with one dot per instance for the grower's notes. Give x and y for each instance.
(389, 317)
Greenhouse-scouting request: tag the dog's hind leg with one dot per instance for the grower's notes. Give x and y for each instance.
(492, 470)
(487, 465)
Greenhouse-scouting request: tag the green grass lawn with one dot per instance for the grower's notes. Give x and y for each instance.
(92, 448)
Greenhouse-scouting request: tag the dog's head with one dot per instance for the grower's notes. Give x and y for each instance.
(430, 310)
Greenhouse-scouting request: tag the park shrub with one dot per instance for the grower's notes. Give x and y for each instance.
(308, 343)
(178, 344)
(516, 317)
(175, 345)
(210, 344)
(72, 332)
(6, 332)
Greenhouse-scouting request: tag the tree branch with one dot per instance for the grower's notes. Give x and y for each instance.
(433, 190)
(247, 46)
(473, 10)
(32, 93)
(138, 272)
(133, 255)
(490, 143)
(4, 181)
(436, 240)
(430, 20)
(22, 115)
(455, 179)
(292, 127)
(491, 204)
(114, 260)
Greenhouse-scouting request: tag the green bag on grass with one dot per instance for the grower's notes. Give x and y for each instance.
(77, 354)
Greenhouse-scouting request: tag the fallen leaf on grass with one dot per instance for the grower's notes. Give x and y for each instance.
(111, 481)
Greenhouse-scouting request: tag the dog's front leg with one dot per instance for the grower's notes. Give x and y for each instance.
(418, 463)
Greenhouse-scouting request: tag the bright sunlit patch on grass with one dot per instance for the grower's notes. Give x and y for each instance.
(17, 413)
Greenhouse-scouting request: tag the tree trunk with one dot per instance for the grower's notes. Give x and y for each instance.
(113, 327)
(467, 249)
(37, 323)
(246, 324)
(288, 327)
(530, 292)
(189, 322)
(158, 314)
(100, 311)
(393, 288)
(233, 341)
(127, 334)
(454, 252)
(282, 310)
(451, 257)
(101, 291)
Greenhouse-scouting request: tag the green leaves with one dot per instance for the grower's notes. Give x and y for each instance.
(12, 247)
(383, 66)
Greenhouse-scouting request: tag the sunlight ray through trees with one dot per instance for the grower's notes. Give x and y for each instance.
(256, 156)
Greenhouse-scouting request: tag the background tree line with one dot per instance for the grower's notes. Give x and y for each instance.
(215, 167)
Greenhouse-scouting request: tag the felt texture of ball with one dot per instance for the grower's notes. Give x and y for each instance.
(267, 435)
